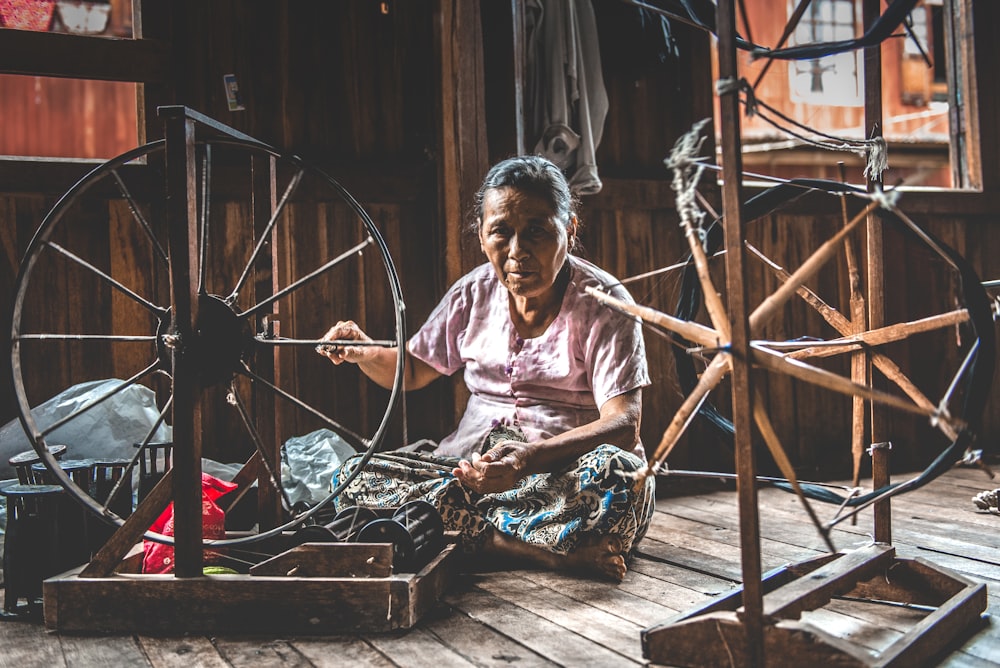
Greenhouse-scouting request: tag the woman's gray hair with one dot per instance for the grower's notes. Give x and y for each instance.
(531, 173)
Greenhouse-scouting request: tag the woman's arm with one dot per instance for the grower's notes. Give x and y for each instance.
(376, 362)
(507, 462)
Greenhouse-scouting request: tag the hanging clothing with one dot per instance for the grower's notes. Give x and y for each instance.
(566, 100)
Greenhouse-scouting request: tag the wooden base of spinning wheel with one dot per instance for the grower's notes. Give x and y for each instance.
(314, 588)
(713, 635)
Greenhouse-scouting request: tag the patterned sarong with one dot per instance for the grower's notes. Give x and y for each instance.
(596, 495)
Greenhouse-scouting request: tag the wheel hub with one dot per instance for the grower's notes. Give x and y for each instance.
(220, 343)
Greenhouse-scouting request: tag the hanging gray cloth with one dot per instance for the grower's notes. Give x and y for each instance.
(566, 100)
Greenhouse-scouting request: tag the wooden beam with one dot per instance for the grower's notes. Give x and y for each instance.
(182, 216)
(463, 150)
(740, 329)
(875, 297)
(83, 57)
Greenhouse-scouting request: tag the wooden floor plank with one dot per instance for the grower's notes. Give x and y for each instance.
(92, 652)
(340, 651)
(680, 566)
(27, 644)
(480, 644)
(695, 521)
(260, 653)
(181, 652)
(615, 599)
(536, 633)
(667, 587)
(418, 648)
(584, 620)
(539, 619)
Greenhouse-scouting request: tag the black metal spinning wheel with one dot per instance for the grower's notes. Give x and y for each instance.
(178, 261)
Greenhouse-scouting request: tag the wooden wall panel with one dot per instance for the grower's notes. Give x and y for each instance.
(354, 91)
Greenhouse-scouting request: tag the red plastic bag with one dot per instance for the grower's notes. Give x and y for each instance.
(158, 558)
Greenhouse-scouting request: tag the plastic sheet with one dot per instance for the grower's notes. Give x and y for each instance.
(308, 463)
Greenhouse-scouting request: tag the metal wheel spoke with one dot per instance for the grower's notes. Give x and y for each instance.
(153, 308)
(139, 452)
(289, 191)
(143, 223)
(966, 363)
(226, 335)
(307, 278)
(357, 442)
(84, 337)
(258, 444)
(99, 400)
(321, 342)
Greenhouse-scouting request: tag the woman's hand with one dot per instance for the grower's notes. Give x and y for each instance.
(345, 330)
(497, 470)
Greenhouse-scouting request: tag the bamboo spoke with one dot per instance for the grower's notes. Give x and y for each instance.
(692, 331)
(880, 361)
(831, 381)
(785, 465)
(776, 300)
(713, 301)
(709, 380)
(883, 335)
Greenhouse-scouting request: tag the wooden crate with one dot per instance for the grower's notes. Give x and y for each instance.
(326, 594)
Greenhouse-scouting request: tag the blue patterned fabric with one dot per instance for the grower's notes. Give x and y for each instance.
(596, 495)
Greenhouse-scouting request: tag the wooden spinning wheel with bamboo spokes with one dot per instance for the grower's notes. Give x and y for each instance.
(206, 266)
(801, 358)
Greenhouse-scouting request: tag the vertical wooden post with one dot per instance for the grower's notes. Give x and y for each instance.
(736, 293)
(267, 410)
(463, 151)
(463, 157)
(876, 276)
(182, 216)
(520, 60)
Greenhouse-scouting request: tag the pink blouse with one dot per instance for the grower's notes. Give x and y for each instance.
(545, 385)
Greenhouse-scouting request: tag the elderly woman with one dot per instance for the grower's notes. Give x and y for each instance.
(540, 468)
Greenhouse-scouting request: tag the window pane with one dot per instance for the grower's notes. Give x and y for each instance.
(66, 118)
(101, 17)
(827, 95)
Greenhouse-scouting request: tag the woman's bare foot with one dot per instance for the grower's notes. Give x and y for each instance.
(601, 555)
(595, 555)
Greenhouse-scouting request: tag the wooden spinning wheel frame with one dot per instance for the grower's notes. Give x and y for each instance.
(216, 331)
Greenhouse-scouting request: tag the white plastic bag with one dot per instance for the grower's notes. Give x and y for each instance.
(108, 430)
(308, 463)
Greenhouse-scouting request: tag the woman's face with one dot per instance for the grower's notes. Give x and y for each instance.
(524, 240)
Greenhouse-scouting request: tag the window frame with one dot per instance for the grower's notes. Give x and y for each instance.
(145, 60)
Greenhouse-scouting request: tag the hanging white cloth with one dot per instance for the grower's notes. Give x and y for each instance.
(566, 99)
